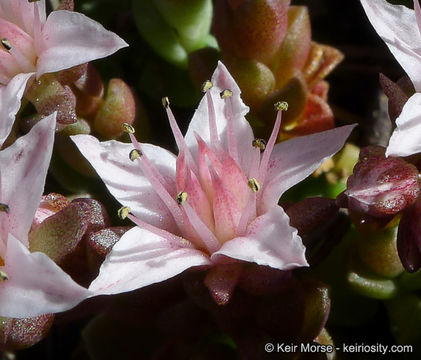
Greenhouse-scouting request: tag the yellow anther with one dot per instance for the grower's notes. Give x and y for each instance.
(165, 102)
(4, 208)
(259, 143)
(281, 105)
(254, 185)
(135, 154)
(128, 128)
(6, 44)
(225, 94)
(181, 197)
(3, 276)
(207, 85)
(123, 212)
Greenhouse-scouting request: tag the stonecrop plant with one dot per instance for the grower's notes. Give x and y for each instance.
(265, 221)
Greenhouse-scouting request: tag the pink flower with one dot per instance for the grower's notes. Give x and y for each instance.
(400, 29)
(215, 203)
(32, 43)
(31, 283)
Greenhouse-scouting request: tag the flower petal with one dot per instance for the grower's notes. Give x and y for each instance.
(36, 284)
(142, 258)
(406, 138)
(293, 160)
(242, 133)
(269, 240)
(21, 12)
(10, 97)
(70, 39)
(397, 26)
(125, 180)
(23, 168)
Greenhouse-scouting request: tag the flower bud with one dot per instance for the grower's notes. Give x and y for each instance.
(380, 186)
(254, 78)
(296, 45)
(254, 29)
(117, 108)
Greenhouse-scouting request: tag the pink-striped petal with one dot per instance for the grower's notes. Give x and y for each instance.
(125, 180)
(23, 168)
(36, 285)
(142, 258)
(70, 39)
(269, 240)
(293, 160)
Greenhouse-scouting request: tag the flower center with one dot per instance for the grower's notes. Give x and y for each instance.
(214, 200)
(18, 49)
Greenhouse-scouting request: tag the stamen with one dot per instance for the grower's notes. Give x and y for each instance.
(128, 128)
(207, 236)
(123, 212)
(165, 102)
(211, 113)
(280, 105)
(4, 208)
(232, 143)
(31, 1)
(206, 86)
(255, 162)
(254, 185)
(225, 94)
(37, 27)
(259, 143)
(171, 238)
(135, 154)
(248, 213)
(157, 182)
(6, 44)
(181, 197)
(178, 136)
(3, 276)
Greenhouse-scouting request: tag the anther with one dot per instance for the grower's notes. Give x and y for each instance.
(225, 94)
(259, 143)
(3, 276)
(181, 197)
(128, 128)
(165, 102)
(281, 105)
(4, 208)
(123, 212)
(31, 1)
(207, 85)
(254, 185)
(135, 154)
(6, 44)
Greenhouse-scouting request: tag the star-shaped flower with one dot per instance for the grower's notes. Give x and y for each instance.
(30, 283)
(32, 43)
(215, 203)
